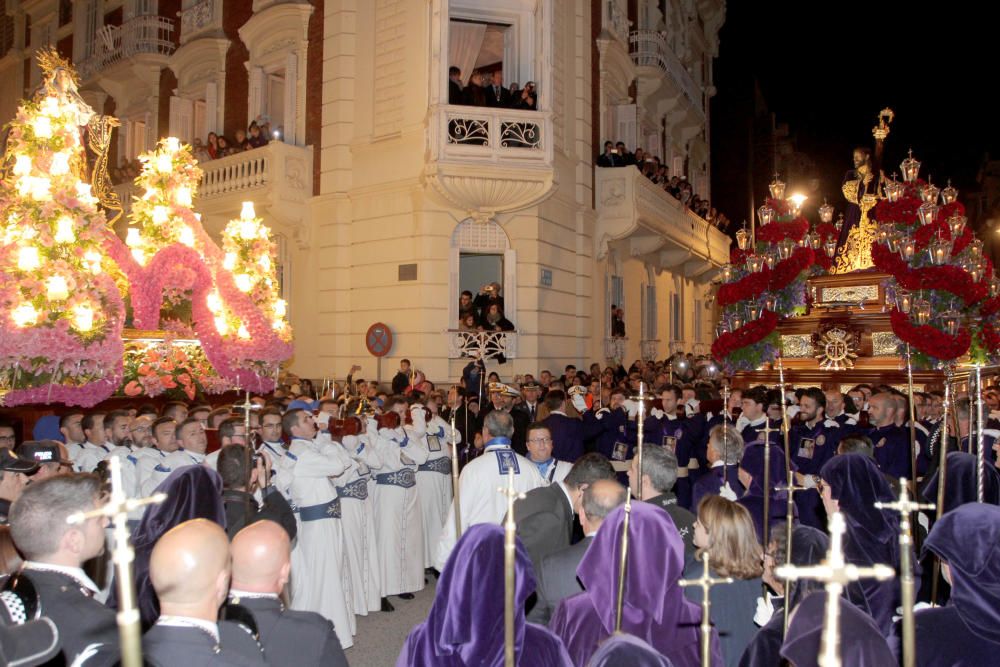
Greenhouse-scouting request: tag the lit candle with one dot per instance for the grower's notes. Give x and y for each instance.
(229, 261)
(186, 236)
(24, 315)
(247, 212)
(280, 307)
(27, 258)
(214, 302)
(22, 165)
(183, 196)
(163, 163)
(244, 282)
(64, 230)
(56, 288)
(221, 325)
(59, 164)
(243, 333)
(160, 215)
(42, 127)
(83, 318)
(133, 239)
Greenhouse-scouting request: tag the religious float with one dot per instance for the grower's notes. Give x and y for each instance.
(898, 286)
(85, 315)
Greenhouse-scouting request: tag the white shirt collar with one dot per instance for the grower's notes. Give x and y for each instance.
(558, 412)
(237, 593)
(188, 622)
(718, 464)
(74, 572)
(566, 491)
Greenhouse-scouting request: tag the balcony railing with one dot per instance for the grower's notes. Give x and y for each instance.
(141, 35)
(481, 344)
(649, 48)
(614, 349)
(200, 17)
(616, 20)
(648, 349)
(276, 164)
(494, 135)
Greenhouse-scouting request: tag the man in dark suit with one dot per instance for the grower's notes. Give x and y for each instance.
(659, 474)
(190, 569)
(567, 432)
(496, 94)
(545, 515)
(530, 404)
(241, 506)
(455, 95)
(402, 378)
(502, 398)
(54, 553)
(557, 575)
(261, 566)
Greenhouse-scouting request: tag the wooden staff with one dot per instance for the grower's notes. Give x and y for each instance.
(705, 581)
(509, 556)
(905, 507)
(117, 508)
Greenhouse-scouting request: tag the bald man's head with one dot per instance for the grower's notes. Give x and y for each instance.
(189, 569)
(599, 499)
(261, 558)
(882, 409)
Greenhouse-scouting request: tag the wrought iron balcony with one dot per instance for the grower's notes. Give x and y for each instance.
(481, 344)
(648, 349)
(142, 35)
(614, 349)
(649, 48)
(500, 136)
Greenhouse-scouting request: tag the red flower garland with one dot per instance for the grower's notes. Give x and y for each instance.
(779, 231)
(787, 270)
(901, 212)
(752, 332)
(747, 288)
(990, 307)
(948, 278)
(929, 340)
(738, 257)
(826, 230)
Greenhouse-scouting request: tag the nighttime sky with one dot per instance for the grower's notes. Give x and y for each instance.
(826, 69)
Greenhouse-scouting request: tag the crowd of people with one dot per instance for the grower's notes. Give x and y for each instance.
(484, 312)
(487, 89)
(339, 503)
(617, 155)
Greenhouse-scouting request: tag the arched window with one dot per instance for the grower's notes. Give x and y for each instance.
(481, 254)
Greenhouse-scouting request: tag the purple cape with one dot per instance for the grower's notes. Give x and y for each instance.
(465, 625)
(193, 492)
(857, 483)
(655, 609)
(967, 538)
(628, 650)
(961, 486)
(861, 641)
(753, 498)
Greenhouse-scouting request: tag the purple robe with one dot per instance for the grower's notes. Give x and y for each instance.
(655, 609)
(465, 625)
(967, 630)
(861, 642)
(710, 484)
(628, 650)
(753, 498)
(567, 436)
(962, 485)
(872, 534)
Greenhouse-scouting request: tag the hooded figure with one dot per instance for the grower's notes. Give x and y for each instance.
(752, 464)
(628, 650)
(961, 486)
(861, 642)
(856, 483)
(465, 625)
(193, 492)
(967, 630)
(655, 609)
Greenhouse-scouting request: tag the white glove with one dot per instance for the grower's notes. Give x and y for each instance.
(898, 616)
(658, 413)
(632, 408)
(727, 492)
(323, 419)
(691, 407)
(580, 403)
(809, 481)
(600, 413)
(764, 611)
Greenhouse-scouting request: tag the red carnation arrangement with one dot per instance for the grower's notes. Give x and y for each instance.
(752, 332)
(789, 269)
(930, 340)
(901, 212)
(748, 288)
(779, 231)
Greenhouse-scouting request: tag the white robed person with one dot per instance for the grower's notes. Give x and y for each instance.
(398, 522)
(434, 479)
(480, 479)
(320, 580)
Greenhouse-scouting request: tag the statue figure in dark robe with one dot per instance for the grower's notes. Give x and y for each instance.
(861, 189)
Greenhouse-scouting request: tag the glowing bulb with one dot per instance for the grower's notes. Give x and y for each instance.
(42, 126)
(278, 325)
(28, 259)
(244, 282)
(173, 144)
(56, 288)
(265, 263)
(280, 307)
(133, 239)
(214, 302)
(139, 255)
(83, 192)
(163, 163)
(229, 261)
(221, 325)
(64, 230)
(186, 236)
(60, 164)
(50, 106)
(24, 315)
(83, 318)
(243, 333)
(248, 229)
(247, 213)
(93, 258)
(22, 165)
(160, 215)
(182, 195)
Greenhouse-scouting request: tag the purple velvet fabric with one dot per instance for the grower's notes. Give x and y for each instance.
(962, 484)
(753, 497)
(872, 534)
(628, 650)
(861, 641)
(967, 538)
(655, 609)
(193, 492)
(465, 625)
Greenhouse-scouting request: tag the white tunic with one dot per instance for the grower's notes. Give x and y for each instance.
(89, 455)
(434, 484)
(357, 517)
(150, 459)
(398, 521)
(320, 582)
(174, 460)
(478, 496)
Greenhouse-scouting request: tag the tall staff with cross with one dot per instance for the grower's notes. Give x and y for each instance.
(767, 431)
(790, 488)
(705, 582)
(835, 573)
(117, 508)
(509, 557)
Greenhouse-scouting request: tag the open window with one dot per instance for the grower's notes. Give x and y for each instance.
(481, 256)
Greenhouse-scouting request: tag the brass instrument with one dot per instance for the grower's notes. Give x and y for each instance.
(117, 508)
(705, 581)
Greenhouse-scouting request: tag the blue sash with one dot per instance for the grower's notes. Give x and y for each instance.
(330, 510)
(405, 478)
(441, 465)
(358, 490)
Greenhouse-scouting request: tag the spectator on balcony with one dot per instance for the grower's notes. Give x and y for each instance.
(528, 98)
(494, 319)
(455, 95)
(240, 141)
(256, 138)
(225, 148)
(468, 322)
(617, 322)
(496, 94)
(629, 158)
(489, 295)
(515, 92)
(640, 158)
(199, 150)
(465, 305)
(474, 94)
(213, 145)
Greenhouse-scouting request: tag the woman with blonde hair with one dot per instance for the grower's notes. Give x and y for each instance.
(725, 531)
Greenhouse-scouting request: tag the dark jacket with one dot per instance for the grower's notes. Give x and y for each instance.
(498, 96)
(544, 522)
(165, 646)
(557, 579)
(683, 519)
(400, 382)
(455, 93)
(275, 508)
(289, 637)
(567, 436)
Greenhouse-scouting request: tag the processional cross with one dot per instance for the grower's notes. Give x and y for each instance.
(705, 582)
(509, 556)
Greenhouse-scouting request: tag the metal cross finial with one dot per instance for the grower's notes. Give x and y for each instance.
(905, 507)
(117, 508)
(509, 553)
(835, 573)
(705, 582)
(790, 488)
